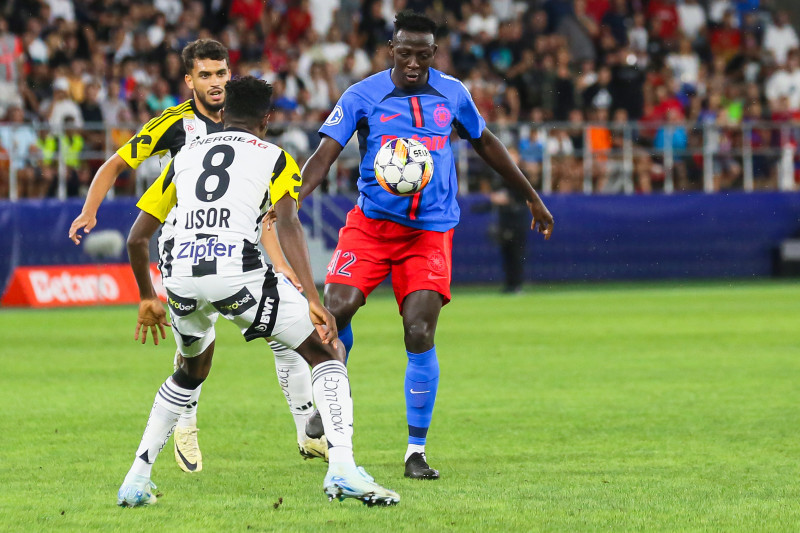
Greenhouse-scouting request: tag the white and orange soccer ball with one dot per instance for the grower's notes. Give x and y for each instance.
(403, 166)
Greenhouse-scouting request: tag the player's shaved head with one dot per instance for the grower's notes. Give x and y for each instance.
(247, 100)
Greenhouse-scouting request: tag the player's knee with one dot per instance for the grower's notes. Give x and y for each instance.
(196, 368)
(419, 336)
(343, 304)
(183, 379)
(315, 352)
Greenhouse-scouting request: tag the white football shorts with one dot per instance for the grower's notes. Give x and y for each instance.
(260, 303)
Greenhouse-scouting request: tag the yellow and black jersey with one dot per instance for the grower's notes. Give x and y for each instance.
(217, 190)
(167, 133)
(159, 199)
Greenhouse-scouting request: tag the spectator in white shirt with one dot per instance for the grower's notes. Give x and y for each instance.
(692, 18)
(483, 20)
(785, 82)
(685, 64)
(322, 88)
(780, 37)
(20, 140)
(172, 9)
(637, 35)
(322, 13)
(62, 107)
(61, 9)
(717, 10)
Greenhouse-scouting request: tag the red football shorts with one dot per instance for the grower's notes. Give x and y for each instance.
(370, 249)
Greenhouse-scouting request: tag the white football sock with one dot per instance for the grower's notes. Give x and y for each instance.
(332, 396)
(188, 418)
(294, 377)
(414, 448)
(169, 403)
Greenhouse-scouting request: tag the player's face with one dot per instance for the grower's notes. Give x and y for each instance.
(207, 80)
(413, 55)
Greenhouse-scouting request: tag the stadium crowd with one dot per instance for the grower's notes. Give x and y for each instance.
(77, 77)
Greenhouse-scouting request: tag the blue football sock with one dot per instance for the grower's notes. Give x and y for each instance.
(422, 380)
(346, 336)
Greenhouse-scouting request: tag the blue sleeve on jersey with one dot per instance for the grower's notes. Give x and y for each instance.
(470, 121)
(342, 121)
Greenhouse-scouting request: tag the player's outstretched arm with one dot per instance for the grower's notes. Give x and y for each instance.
(151, 312)
(495, 154)
(293, 242)
(103, 181)
(318, 165)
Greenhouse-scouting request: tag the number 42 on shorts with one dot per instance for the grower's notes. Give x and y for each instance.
(340, 262)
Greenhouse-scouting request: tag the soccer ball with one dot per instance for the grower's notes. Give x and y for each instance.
(403, 166)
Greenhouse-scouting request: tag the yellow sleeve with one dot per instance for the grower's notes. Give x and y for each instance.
(285, 178)
(161, 197)
(156, 137)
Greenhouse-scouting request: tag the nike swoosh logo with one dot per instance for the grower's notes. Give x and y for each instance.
(412, 391)
(384, 118)
(190, 466)
(431, 275)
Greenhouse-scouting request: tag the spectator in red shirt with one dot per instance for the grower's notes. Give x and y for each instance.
(249, 10)
(276, 51)
(666, 102)
(11, 64)
(666, 12)
(726, 40)
(297, 21)
(597, 8)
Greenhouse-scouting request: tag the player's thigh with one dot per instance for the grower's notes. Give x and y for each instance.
(362, 258)
(425, 266)
(191, 315)
(265, 306)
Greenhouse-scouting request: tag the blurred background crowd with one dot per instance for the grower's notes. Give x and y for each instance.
(589, 95)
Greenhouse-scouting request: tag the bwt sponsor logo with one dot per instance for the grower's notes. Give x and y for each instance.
(432, 143)
(266, 312)
(204, 250)
(67, 287)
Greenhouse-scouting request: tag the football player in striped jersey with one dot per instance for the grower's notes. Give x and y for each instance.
(207, 70)
(224, 184)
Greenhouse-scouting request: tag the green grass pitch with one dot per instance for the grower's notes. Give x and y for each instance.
(643, 407)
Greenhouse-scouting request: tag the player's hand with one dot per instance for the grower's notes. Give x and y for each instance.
(151, 316)
(542, 219)
(287, 271)
(269, 218)
(324, 322)
(85, 221)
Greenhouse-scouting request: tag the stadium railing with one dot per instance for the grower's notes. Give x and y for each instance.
(588, 158)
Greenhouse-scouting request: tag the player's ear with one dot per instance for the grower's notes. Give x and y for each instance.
(188, 80)
(391, 48)
(435, 47)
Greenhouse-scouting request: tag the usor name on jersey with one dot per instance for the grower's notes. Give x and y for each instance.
(208, 218)
(204, 249)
